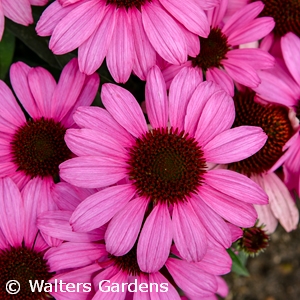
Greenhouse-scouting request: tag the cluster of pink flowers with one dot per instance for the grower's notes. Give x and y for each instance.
(141, 200)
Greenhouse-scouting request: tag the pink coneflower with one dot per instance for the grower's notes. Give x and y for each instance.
(18, 11)
(93, 264)
(35, 147)
(128, 33)
(280, 124)
(165, 168)
(22, 247)
(219, 59)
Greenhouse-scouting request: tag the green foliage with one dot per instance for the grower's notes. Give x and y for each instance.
(7, 49)
(238, 263)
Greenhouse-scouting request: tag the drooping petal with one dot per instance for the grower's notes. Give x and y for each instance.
(239, 213)
(190, 278)
(76, 26)
(234, 144)
(124, 108)
(12, 216)
(191, 15)
(236, 185)
(92, 52)
(156, 98)
(123, 229)
(18, 11)
(99, 208)
(281, 202)
(164, 34)
(290, 45)
(213, 223)
(120, 56)
(189, 233)
(155, 240)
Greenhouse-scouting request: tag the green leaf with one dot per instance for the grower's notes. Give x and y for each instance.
(7, 49)
(237, 265)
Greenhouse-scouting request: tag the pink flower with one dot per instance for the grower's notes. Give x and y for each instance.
(220, 59)
(165, 169)
(22, 246)
(281, 126)
(120, 276)
(18, 11)
(127, 33)
(35, 147)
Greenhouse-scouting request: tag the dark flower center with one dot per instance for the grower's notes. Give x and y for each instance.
(128, 262)
(254, 240)
(38, 147)
(128, 3)
(22, 264)
(166, 166)
(286, 14)
(274, 120)
(213, 50)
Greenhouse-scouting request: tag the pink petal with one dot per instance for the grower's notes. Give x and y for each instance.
(221, 78)
(92, 52)
(213, 223)
(236, 232)
(145, 55)
(239, 213)
(86, 97)
(100, 207)
(216, 260)
(56, 224)
(155, 240)
(119, 57)
(140, 294)
(242, 73)
(18, 11)
(191, 15)
(223, 289)
(236, 185)
(266, 217)
(190, 278)
(255, 30)
(256, 58)
(84, 142)
(73, 255)
(160, 280)
(281, 202)
(123, 229)
(19, 81)
(217, 116)
(156, 98)
(164, 34)
(242, 17)
(11, 116)
(124, 109)
(12, 218)
(2, 21)
(68, 89)
(42, 86)
(189, 234)
(99, 119)
(234, 144)
(50, 18)
(290, 45)
(93, 171)
(201, 94)
(76, 26)
(181, 89)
